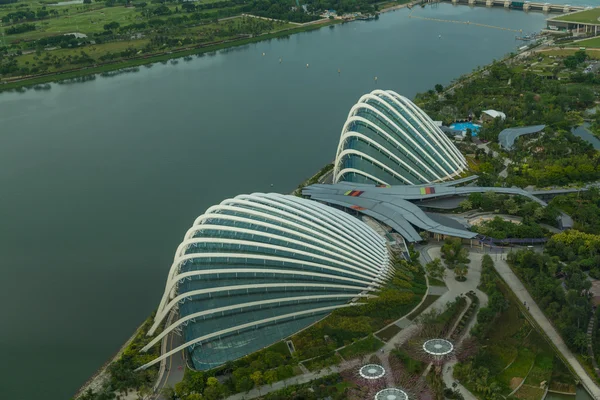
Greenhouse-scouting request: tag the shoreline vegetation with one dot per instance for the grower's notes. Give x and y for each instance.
(271, 29)
(156, 58)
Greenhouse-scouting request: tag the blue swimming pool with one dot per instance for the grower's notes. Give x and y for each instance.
(463, 126)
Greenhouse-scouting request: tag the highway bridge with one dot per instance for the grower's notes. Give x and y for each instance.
(521, 5)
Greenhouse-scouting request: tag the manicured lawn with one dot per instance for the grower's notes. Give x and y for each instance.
(541, 372)
(84, 22)
(588, 16)
(428, 301)
(592, 53)
(388, 333)
(436, 282)
(361, 347)
(595, 42)
(94, 51)
(519, 368)
(322, 362)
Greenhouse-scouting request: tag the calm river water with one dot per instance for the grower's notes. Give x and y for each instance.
(101, 180)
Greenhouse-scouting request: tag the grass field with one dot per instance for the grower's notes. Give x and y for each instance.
(388, 333)
(51, 77)
(436, 282)
(592, 53)
(88, 22)
(361, 347)
(588, 16)
(324, 361)
(594, 43)
(426, 303)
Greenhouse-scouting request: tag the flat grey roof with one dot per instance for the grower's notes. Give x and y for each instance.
(507, 137)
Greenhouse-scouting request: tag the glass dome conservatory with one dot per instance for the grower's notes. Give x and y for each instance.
(388, 140)
(258, 268)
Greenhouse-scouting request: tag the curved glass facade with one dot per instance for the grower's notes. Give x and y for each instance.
(388, 140)
(258, 268)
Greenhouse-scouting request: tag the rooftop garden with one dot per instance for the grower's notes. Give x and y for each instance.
(587, 16)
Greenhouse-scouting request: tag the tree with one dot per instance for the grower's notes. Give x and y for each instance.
(461, 272)
(270, 376)
(439, 88)
(465, 205)
(212, 381)
(453, 252)
(469, 135)
(169, 393)
(111, 26)
(435, 269)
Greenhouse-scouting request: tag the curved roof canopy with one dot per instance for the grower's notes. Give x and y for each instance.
(388, 140)
(257, 268)
(495, 114)
(507, 137)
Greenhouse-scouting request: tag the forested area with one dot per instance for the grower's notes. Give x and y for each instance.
(583, 207)
(499, 228)
(519, 206)
(525, 97)
(555, 157)
(559, 288)
(513, 350)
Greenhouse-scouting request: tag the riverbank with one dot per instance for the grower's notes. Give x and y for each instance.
(154, 58)
(99, 378)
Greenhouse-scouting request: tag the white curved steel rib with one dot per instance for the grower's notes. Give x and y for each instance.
(160, 315)
(181, 250)
(302, 214)
(359, 172)
(278, 215)
(421, 117)
(174, 267)
(427, 120)
(348, 134)
(325, 212)
(284, 217)
(409, 126)
(326, 234)
(241, 306)
(225, 271)
(428, 129)
(401, 133)
(375, 162)
(197, 228)
(351, 227)
(240, 327)
(432, 142)
(271, 247)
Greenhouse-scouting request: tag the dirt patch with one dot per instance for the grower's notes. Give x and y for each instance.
(515, 382)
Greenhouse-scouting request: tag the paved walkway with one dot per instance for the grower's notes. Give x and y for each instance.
(523, 295)
(432, 251)
(590, 332)
(296, 380)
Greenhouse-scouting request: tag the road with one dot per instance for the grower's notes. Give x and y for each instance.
(523, 295)
(175, 365)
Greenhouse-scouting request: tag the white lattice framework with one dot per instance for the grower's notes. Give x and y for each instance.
(403, 141)
(299, 243)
